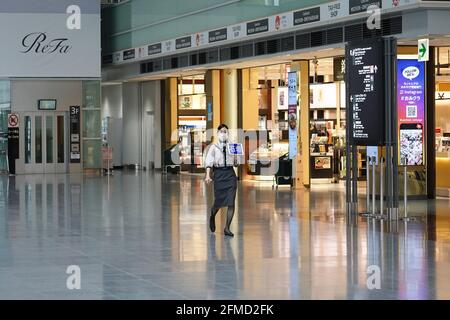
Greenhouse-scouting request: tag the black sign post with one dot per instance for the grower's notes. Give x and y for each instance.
(366, 91)
(129, 54)
(371, 104)
(75, 136)
(154, 49)
(218, 35)
(358, 6)
(257, 26)
(306, 16)
(182, 43)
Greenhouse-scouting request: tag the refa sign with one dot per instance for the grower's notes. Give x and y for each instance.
(51, 39)
(38, 42)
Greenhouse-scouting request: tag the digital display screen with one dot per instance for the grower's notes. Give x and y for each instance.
(47, 104)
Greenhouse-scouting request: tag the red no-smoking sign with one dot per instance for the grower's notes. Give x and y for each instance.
(13, 120)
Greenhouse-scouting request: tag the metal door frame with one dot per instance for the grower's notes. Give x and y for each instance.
(44, 167)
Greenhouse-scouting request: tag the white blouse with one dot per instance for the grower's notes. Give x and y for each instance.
(215, 156)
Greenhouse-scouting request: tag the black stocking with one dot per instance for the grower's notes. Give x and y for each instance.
(230, 214)
(212, 219)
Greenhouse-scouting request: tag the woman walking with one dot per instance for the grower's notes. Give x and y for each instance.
(221, 163)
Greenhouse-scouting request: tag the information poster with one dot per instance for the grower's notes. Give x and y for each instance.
(411, 111)
(292, 101)
(13, 141)
(75, 141)
(322, 163)
(339, 69)
(366, 92)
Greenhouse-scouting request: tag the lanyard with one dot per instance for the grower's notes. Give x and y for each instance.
(225, 155)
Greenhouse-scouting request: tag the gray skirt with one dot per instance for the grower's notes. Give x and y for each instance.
(225, 185)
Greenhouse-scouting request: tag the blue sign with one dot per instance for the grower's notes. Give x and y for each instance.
(210, 114)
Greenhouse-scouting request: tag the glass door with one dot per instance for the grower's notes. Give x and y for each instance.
(61, 144)
(45, 142)
(33, 142)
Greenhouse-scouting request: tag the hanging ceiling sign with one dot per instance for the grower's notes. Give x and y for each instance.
(330, 12)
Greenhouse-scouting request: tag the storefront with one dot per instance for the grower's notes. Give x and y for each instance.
(443, 121)
(265, 119)
(327, 119)
(265, 108)
(50, 87)
(263, 114)
(192, 122)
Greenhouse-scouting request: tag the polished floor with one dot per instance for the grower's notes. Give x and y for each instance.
(139, 235)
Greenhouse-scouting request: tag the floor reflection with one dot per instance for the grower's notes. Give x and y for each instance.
(139, 235)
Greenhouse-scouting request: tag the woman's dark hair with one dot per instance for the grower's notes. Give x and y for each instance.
(222, 126)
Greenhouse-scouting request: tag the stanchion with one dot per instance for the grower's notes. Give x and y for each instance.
(371, 205)
(368, 185)
(405, 193)
(369, 213)
(381, 215)
(374, 186)
(382, 187)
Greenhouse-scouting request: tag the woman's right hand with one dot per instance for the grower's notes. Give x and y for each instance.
(208, 179)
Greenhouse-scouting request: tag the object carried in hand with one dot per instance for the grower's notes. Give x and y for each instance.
(235, 149)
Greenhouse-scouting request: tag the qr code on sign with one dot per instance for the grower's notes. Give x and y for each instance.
(411, 111)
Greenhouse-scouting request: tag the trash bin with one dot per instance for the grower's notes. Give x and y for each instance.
(284, 174)
(169, 155)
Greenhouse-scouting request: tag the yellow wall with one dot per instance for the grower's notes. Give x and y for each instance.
(407, 50)
(229, 97)
(170, 110)
(212, 89)
(443, 172)
(174, 108)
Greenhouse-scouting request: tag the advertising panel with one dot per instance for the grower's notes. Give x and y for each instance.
(411, 111)
(292, 101)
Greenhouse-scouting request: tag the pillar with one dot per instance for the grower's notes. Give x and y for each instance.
(302, 164)
(169, 114)
(229, 105)
(430, 109)
(212, 90)
(249, 100)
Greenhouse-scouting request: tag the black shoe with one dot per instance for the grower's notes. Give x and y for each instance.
(212, 222)
(228, 233)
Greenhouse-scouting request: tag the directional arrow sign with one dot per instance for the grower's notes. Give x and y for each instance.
(424, 50)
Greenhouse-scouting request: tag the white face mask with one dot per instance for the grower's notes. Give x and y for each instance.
(223, 137)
